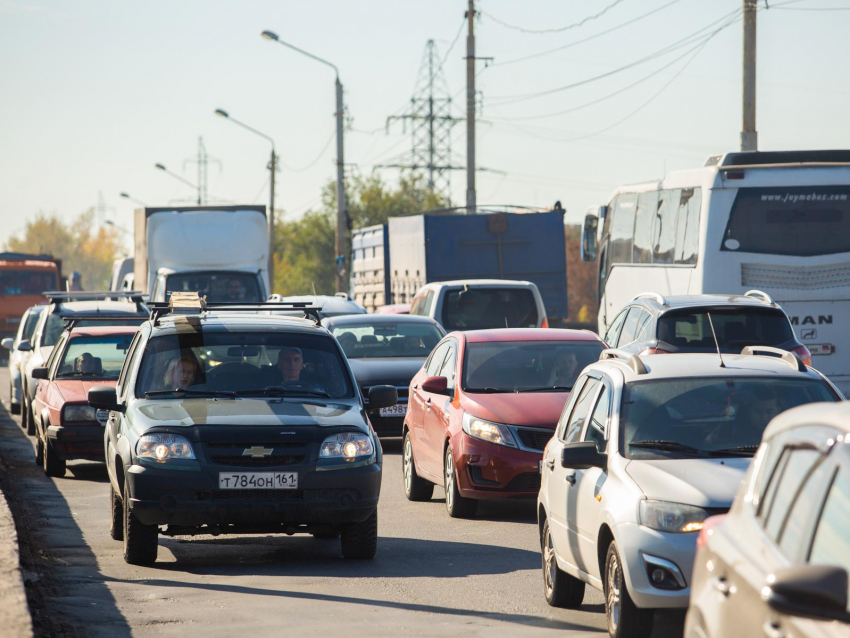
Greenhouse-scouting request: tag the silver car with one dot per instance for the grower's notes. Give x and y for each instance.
(19, 349)
(646, 449)
(778, 563)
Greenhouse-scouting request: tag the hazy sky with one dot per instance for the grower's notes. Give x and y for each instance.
(93, 93)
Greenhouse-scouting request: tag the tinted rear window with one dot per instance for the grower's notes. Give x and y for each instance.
(801, 221)
(690, 331)
(483, 308)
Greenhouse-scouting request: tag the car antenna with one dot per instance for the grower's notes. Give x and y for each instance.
(716, 342)
(506, 322)
(314, 288)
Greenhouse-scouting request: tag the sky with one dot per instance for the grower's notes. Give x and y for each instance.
(94, 93)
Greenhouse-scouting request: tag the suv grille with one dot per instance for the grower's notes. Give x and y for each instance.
(232, 454)
(533, 438)
(266, 461)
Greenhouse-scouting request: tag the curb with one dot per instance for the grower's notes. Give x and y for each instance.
(15, 619)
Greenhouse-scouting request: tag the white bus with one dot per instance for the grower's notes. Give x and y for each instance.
(775, 221)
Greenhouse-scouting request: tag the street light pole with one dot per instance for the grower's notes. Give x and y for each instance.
(341, 241)
(273, 168)
(132, 199)
(178, 177)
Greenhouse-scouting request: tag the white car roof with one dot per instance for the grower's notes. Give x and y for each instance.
(482, 283)
(836, 415)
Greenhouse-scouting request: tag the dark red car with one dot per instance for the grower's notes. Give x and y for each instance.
(66, 427)
(482, 409)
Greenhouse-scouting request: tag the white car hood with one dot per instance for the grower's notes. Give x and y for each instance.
(700, 482)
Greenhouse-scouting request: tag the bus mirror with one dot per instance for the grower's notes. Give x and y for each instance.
(588, 238)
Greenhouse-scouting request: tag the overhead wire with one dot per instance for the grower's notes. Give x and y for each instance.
(313, 162)
(556, 29)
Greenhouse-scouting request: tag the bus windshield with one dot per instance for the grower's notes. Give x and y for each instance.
(801, 221)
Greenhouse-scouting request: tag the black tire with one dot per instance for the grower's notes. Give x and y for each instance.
(14, 408)
(625, 620)
(51, 463)
(116, 515)
(456, 505)
(39, 452)
(560, 588)
(140, 541)
(360, 540)
(416, 488)
(25, 415)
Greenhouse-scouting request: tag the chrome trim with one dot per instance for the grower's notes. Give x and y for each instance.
(670, 566)
(515, 431)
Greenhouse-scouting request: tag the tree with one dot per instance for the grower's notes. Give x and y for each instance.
(81, 246)
(582, 300)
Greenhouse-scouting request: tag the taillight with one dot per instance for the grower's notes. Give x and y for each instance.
(545, 323)
(654, 351)
(804, 354)
(706, 531)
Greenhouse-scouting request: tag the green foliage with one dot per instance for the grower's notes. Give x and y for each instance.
(304, 248)
(80, 245)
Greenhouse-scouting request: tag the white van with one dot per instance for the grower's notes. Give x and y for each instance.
(480, 304)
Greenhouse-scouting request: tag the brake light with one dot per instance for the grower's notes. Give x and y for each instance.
(707, 527)
(653, 351)
(545, 323)
(804, 354)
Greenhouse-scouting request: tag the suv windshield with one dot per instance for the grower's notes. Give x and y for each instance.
(97, 357)
(235, 287)
(684, 418)
(690, 331)
(387, 339)
(483, 308)
(258, 363)
(526, 366)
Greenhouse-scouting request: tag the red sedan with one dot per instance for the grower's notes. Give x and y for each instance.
(482, 409)
(66, 427)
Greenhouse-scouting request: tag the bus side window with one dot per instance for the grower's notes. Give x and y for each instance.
(646, 208)
(664, 231)
(687, 227)
(622, 230)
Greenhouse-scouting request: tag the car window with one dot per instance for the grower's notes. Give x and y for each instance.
(806, 502)
(50, 364)
(436, 360)
(614, 330)
(630, 326)
(125, 369)
(642, 331)
(382, 339)
(582, 407)
(448, 369)
(28, 328)
(98, 357)
(597, 425)
(794, 472)
(294, 364)
(422, 304)
(831, 543)
(564, 419)
(488, 307)
(690, 330)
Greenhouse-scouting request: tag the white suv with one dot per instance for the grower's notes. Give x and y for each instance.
(481, 304)
(646, 449)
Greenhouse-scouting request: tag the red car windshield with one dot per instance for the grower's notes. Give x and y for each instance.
(526, 366)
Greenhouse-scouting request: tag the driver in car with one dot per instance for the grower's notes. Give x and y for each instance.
(290, 362)
(84, 364)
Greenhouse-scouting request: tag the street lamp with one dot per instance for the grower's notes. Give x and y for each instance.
(132, 199)
(341, 208)
(273, 168)
(109, 222)
(176, 176)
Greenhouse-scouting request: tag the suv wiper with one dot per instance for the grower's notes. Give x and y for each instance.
(192, 393)
(673, 446)
(279, 390)
(738, 450)
(548, 388)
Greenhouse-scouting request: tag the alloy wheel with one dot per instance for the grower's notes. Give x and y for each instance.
(407, 461)
(549, 558)
(612, 594)
(450, 478)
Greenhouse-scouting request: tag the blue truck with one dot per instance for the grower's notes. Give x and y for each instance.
(390, 262)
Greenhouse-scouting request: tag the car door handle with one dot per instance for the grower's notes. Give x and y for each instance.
(721, 585)
(773, 630)
(571, 478)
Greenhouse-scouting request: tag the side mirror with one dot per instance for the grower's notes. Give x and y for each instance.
(7, 343)
(24, 346)
(436, 385)
(39, 373)
(381, 396)
(103, 397)
(588, 238)
(811, 591)
(583, 456)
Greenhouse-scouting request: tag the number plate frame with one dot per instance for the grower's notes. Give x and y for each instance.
(258, 480)
(400, 409)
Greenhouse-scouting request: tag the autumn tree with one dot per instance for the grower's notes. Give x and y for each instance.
(81, 245)
(582, 299)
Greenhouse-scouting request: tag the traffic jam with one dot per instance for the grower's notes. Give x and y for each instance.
(691, 455)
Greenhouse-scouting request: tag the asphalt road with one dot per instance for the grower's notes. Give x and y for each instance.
(433, 575)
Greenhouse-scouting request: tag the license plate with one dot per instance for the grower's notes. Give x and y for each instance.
(820, 348)
(258, 480)
(396, 410)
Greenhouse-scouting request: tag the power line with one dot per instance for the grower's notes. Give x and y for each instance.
(312, 162)
(452, 45)
(557, 29)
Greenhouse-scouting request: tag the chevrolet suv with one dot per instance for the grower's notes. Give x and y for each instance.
(227, 420)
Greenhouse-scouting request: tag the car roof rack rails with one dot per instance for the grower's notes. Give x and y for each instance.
(71, 320)
(342, 295)
(652, 295)
(788, 357)
(609, 353)
(192, 304)
(62, 296)
(636, 364)
(758, 294)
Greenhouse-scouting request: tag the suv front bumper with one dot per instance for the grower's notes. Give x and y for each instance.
(185, 498)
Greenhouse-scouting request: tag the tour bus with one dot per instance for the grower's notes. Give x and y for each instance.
(775, 221)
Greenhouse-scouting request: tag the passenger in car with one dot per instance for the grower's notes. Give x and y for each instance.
(180, 372)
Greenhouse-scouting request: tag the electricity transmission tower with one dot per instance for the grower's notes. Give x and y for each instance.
(431, 122)
(202, 161)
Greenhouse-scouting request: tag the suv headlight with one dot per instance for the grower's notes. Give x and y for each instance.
(78, 413)
(497, 433)
(347, 445)
(671, 517)
(164, 447)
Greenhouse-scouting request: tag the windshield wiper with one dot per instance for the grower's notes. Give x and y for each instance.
(279, 390)
(487, 390)
(548, 388)
(738, 450)
(66, 375)
(672, 446)
(192, 393)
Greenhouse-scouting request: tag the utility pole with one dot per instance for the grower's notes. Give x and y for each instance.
(342, 249)
(749, 136)
(202, 162)
(470, 110)
(273, 169)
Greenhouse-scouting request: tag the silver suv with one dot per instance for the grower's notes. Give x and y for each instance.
(646, 449)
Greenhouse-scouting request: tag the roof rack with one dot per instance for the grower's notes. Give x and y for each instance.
(160, 308)
(609, 353)
(788, 357)
(758, 294)
(652, 295)
(72, 319)
(61, 296)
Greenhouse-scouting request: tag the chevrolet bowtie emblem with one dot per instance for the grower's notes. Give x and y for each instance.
(258, 452)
